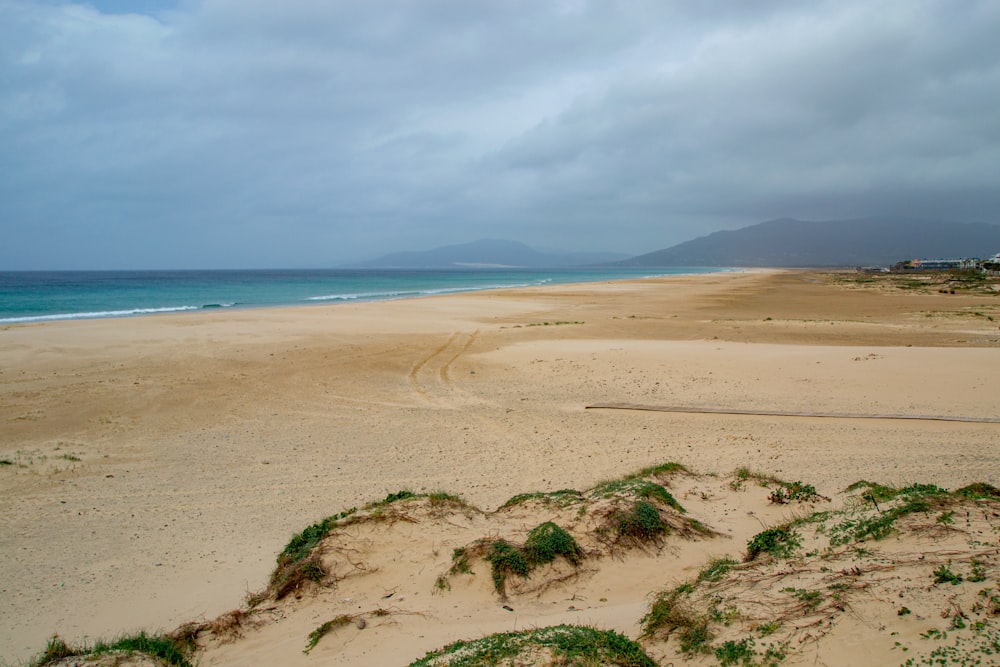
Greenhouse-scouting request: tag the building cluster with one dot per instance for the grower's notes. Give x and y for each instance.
(990, 266)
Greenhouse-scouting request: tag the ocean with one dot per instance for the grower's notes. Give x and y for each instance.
(38, 296)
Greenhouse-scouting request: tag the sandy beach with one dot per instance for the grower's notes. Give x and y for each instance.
(156, 466)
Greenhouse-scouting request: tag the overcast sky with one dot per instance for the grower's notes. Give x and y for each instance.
(258, 133)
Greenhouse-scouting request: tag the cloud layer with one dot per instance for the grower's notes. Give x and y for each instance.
(250, 133)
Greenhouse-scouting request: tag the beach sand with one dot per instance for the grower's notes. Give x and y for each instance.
(156, 466)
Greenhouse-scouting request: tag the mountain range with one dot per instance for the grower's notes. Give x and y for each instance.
(785, 242)
(862, 242)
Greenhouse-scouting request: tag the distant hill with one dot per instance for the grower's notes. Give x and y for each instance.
(487, 253)
(865, 242)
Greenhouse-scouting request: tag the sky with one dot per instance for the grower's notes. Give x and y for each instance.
(312, 133)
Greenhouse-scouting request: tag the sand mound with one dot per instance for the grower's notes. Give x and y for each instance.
(907, 576)
(902, 576)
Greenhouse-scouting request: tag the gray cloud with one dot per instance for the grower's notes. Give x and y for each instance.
(253, 133)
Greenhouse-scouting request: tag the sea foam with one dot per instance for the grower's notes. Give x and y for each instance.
(95, 315)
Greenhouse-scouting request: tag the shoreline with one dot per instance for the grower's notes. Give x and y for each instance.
(204, 440)
(403, 292)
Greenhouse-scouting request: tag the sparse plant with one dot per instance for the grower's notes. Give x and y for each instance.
(696, 638)
(735, 652)
(786, 492)
(460, 561)
(324, 629)
(768, 628)
(668, 468)
(740, 476)
(290, 577)
(443, 498)
(810, 598)
(944, 575)
(667, 612)
(405, 494)
(716, 569)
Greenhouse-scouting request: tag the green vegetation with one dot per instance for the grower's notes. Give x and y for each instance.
(735, 652)
(301, 545)
(641, 523)
(979, 646)
(460, 561)
(662, 469)
(567, 644)
(743, 474)
(637, 487)
(324, 629)
(716, 569)
(786, 492)
(297, 563)
(563, 497)
(782, 492)
(392, 498)
(879, 524)
(780, 542)
(547, 541)
(978, 490)
(696, 614)
(944, 575)
(168, 650)
(927, 282)
(442, 498)
(811, 599)
(544, 544)
(505, 559)
(667, 612)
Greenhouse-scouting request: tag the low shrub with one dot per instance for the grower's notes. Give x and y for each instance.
(505, 559)
(642, 522)
(547, 541)
(780, 542)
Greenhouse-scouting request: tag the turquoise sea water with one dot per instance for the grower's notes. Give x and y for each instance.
(36, 296)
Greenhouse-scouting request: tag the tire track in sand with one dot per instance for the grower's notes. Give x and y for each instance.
(430, 377)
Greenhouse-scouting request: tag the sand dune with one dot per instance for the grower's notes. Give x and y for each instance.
(158, 465)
